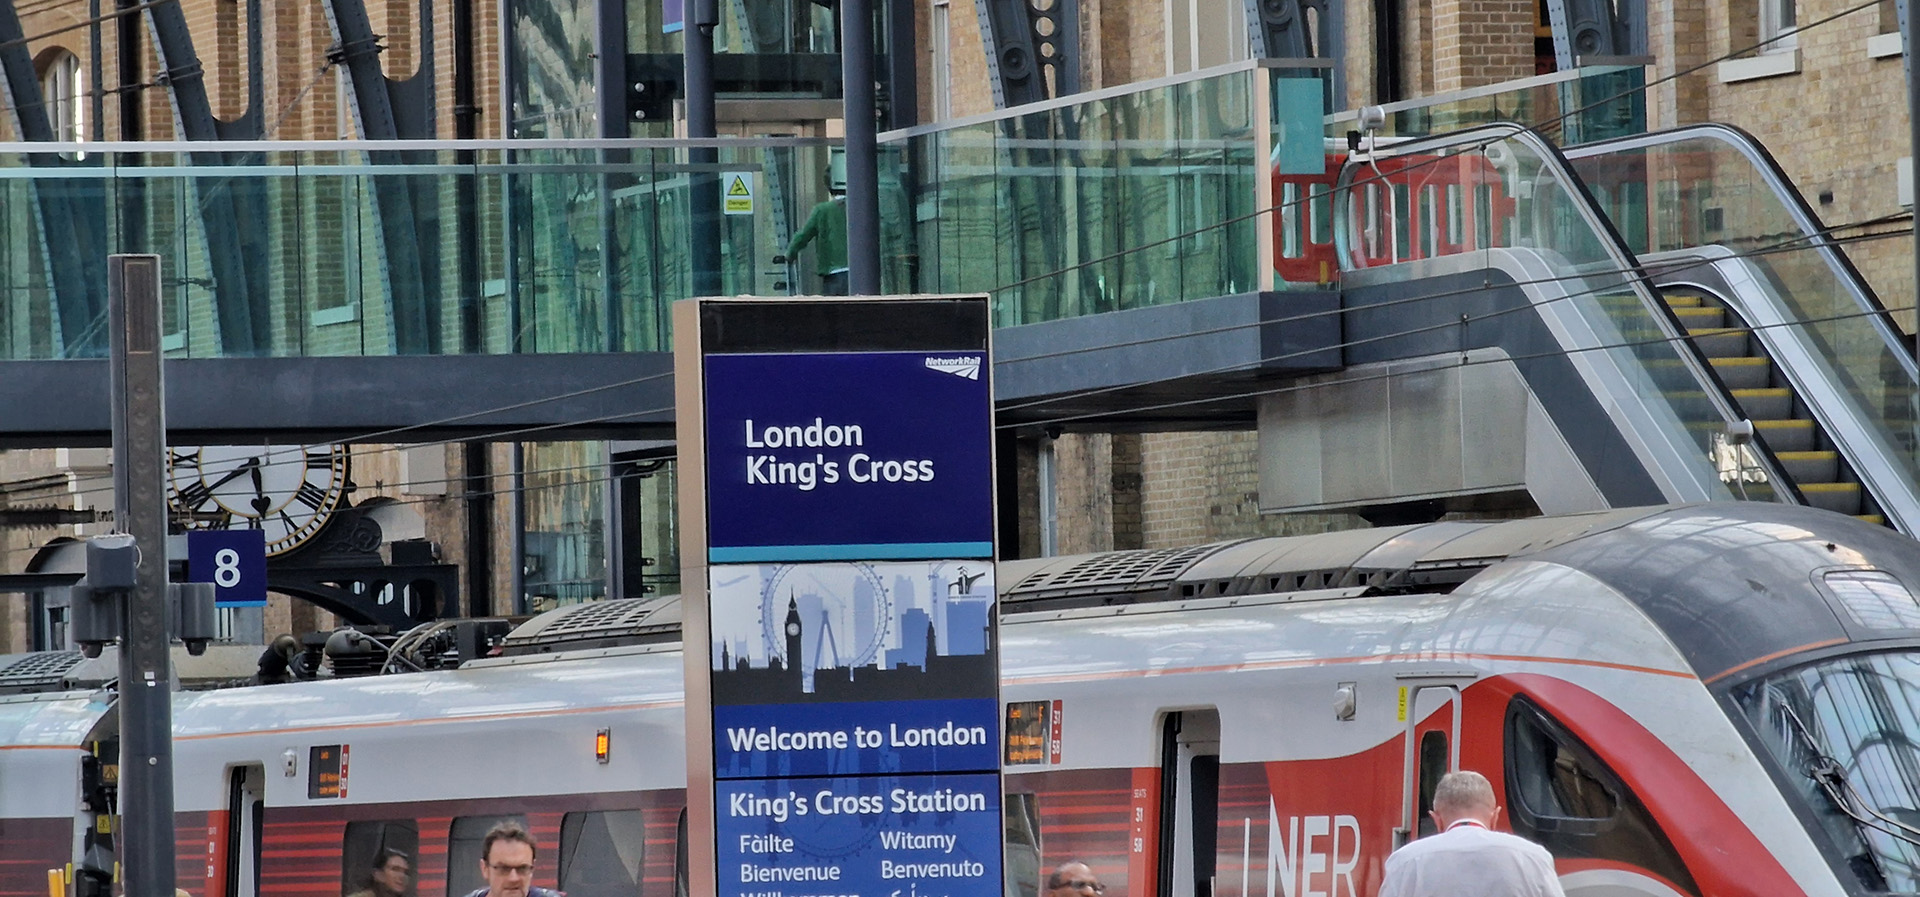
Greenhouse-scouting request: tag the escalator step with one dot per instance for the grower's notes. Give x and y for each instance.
(1841, 497)
(1700, 316)
(1720, 342)
(1875, 519)
(1683, 300)
(1810, 467)
(1786, 435)
(1743, 372)
(1765, 403)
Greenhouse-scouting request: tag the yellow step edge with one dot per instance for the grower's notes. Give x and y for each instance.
(1783, 425)
(1826, 455)
(1739, 360)
(1874, 519)
(1715, 331)
(1683, 301)
(1829, 487)
(1762, 392)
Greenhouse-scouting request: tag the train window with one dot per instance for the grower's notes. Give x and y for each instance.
(1402, 222)
(681, 888)
(1371, 224)
(1560, 795)
(376, 857)
(1022, 812)
(1429, 220)
(1320, 214)
(1483, 215)
(601, 852)
(1290, 217)
(465, 837)
(1456, 226)
(1874, 599)
(1434, 760)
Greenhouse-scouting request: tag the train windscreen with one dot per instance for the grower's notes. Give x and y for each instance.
(1846, 734)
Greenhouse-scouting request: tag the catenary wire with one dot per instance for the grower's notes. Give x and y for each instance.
(295, 455)
(1555, 120)
(497, 435)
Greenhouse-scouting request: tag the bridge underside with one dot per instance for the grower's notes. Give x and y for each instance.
(1193, 364)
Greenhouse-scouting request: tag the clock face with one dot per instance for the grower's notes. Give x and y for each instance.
(285, 491)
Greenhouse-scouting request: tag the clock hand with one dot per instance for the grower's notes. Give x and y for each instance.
(260, 500)
(252, 464)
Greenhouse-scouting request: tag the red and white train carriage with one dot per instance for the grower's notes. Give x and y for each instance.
(1704, 700)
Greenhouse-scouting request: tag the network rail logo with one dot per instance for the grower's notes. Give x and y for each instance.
(959, 367)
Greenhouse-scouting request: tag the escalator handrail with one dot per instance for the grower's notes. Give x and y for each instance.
(1618, 255)
(1796, 205)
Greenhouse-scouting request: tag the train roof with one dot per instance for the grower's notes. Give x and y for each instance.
(1726, 581)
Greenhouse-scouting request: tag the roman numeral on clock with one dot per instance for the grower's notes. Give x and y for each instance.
(312, 496)
(194, 496)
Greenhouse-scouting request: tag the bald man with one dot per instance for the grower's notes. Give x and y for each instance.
(1074, 879)
(1467, 858)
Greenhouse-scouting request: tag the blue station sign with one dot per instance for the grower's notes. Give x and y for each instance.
(870, 455)
(852, 658)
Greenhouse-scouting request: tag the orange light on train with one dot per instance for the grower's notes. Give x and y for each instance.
(601, 740)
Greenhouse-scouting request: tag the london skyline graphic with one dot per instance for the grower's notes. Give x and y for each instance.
(852, 631)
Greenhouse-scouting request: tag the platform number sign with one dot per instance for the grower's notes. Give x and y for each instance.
(235, 561)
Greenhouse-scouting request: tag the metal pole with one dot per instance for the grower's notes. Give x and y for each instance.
(140, 510)
(863, 149)
(1911, 28)
(705, 182)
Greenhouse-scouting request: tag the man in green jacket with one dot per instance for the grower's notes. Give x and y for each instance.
(828, 225)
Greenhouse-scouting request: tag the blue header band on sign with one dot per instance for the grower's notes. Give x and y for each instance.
(849, 456)
(905, 551)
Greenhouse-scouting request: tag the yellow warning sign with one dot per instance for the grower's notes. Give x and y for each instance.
(737, 198)
(1402, 714)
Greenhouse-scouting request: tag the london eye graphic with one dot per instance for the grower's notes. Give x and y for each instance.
(852, 622)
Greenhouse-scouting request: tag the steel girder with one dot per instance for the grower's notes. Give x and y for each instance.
(230, 208)
(406, 208)
(69, 216)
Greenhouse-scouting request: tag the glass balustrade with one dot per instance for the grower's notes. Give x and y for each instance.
(401, 248)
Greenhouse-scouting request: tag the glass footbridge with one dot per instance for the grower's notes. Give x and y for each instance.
(1747, 359)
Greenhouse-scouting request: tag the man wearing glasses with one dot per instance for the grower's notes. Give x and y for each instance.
(506, 860)
(1075, 879)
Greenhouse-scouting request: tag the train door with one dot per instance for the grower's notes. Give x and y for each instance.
(1431, 710)
(1189, 802)
(236, 871)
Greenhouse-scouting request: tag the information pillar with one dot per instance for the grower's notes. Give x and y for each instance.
(841, 632)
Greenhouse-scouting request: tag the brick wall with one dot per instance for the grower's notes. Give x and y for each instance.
(1478, 42)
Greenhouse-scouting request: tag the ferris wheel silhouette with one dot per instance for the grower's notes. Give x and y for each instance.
(836, 642)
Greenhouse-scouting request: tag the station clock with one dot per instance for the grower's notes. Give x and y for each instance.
(288, 492)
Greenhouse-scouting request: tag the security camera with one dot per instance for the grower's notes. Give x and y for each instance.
(1372, 118)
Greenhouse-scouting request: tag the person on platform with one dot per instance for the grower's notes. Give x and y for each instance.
(828, 225)
(1467, 858)
(392, 874)
(1074, 879)
(506, 861)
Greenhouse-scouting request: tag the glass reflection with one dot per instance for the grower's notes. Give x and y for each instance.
(1844, 732)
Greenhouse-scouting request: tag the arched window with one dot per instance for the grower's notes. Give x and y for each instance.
(64, 90)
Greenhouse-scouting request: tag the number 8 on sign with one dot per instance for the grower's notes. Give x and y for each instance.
(226, 568)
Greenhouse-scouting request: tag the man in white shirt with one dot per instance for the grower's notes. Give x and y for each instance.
(1467, 858)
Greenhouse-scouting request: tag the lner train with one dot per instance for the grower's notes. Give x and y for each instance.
(1717, 699)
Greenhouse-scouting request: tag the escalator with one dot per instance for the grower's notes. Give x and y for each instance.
(1680, 327)
(1807, 350)
(1805, 451)
(1481, 250)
